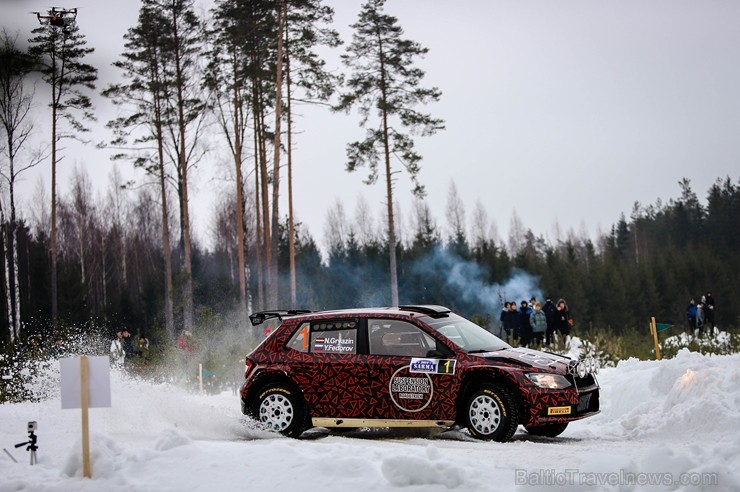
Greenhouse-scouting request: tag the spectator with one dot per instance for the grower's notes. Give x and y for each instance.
(525, 328)
(514, 321)
(186, 342)
(563, 321)
(700, 319)
(551, 316)
(142, 348)
(117, 350)
(538, 321)
(128, 344)
(691, 314)
(709, 313)
(505, 324)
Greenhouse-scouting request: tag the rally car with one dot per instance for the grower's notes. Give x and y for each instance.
(410, 366)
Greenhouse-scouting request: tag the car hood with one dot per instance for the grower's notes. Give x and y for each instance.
(529, 359)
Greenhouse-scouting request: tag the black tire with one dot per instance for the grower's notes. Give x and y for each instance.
(281, 408)
(491, 413)
(547, 430)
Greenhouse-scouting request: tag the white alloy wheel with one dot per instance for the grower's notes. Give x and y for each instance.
(484, 414)
(276, 410)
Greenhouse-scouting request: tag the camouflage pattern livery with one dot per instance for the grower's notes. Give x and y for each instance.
(411, 365)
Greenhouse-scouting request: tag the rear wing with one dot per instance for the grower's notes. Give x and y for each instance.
(260, 317)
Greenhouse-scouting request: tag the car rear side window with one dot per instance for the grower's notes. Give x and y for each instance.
(299, 340)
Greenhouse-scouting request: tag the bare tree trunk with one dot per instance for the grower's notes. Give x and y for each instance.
(6, 267)
(104, 279)
(239, 201)
(389, 193)
(53, 238)
(276, 162)
(266, 235)
(291, 223)
(166, 249)
(258, 217)
(185, 213)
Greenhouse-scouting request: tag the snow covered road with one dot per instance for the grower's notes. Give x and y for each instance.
(668, 425)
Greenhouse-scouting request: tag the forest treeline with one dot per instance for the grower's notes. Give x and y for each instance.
(230, 79)
(649, 264)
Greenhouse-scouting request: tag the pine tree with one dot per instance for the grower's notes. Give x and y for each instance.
(229, 84)
(61, 49)
(304, 31)
(385, 82)
(145, 92)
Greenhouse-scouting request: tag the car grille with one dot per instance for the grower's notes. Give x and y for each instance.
(588, 402)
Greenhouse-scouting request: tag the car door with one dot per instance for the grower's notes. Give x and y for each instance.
(406, 379)
(324, 366)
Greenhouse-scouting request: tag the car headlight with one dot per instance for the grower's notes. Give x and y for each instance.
(582, 370)
(551, 381)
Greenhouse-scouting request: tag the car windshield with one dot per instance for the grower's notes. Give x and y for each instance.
(466, 334)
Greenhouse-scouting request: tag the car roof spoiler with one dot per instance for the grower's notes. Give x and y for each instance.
(262, 316)
(432, 310)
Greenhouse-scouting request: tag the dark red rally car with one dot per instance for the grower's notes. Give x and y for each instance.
(411, 366)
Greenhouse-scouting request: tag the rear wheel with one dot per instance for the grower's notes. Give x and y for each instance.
(547, 430)
(492, 413)
(280, 408)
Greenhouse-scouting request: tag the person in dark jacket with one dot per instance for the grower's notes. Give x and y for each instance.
(691, 314)
(525, 328)
(504, 319)
(514, 321)
(550, 315)
(709, 313)
(562, 321)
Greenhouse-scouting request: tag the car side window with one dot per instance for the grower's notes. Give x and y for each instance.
(395, 337)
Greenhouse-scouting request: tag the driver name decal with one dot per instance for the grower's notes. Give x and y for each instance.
(334, 342)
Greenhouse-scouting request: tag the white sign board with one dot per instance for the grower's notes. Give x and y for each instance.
(98, 370)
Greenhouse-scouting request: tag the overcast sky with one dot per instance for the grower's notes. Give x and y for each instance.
(566, 111)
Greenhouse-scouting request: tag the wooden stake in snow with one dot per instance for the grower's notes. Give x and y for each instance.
(84, 405)
(654, 332)
(85, 384)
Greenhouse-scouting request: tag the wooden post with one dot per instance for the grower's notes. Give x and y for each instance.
(654, 331)
(200, 377)
(84, 405)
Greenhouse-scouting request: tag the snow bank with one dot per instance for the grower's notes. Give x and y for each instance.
(673, 423)
(695, 393)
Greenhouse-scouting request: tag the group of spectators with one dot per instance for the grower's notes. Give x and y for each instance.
(535, 324)
(123, 349)
(701, 315)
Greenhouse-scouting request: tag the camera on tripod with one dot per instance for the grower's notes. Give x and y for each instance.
(32, 440)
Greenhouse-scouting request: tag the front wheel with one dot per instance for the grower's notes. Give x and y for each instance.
(492, 413)
(280, 408)
(547, 430)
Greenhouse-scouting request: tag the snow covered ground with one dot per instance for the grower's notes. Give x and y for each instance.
(667, 425)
